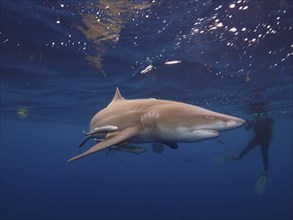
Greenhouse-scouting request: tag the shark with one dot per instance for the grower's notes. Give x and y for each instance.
(126, 121)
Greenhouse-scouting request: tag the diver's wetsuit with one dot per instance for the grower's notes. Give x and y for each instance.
(262, 127)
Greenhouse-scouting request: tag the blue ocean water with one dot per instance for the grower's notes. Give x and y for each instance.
(60, 64)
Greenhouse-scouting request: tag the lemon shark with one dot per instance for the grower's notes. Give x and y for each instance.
(154, 121)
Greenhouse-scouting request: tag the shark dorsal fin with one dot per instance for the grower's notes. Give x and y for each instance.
(117, 96)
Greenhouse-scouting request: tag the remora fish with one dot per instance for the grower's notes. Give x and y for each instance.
(154, 121)
(129, 149)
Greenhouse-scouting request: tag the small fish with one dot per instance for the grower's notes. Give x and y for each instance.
(158, 148)
(191, 160)
(221, 142)
(129, 149)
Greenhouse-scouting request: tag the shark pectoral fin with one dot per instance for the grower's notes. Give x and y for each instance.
(109, 141)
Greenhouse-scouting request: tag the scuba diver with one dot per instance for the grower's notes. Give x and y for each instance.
(262, 127)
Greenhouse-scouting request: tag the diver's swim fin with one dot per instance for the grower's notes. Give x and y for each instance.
(226, 158)
(260, 185)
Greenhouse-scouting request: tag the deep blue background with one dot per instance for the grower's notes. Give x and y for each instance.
(60, 92)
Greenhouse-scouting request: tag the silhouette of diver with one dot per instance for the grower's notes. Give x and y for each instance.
(262, 127)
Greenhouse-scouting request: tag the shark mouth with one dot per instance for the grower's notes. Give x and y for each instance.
(205, 133)
(211, 132)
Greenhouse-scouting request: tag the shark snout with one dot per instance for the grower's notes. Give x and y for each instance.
(233, 123)
(221, 123)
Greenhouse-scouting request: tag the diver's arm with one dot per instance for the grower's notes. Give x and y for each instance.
(249, 124)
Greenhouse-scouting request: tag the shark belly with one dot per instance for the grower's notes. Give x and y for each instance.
(184, 134)
(174, 135)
